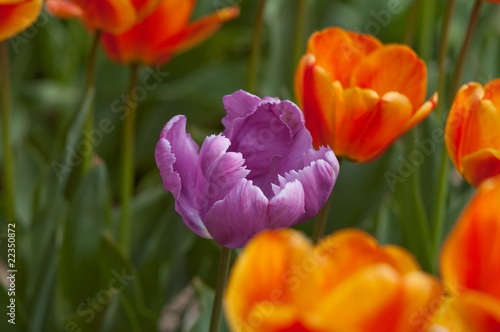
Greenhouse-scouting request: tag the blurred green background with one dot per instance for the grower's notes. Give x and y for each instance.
(67, 253)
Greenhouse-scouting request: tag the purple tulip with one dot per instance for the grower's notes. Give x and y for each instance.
(262, 172)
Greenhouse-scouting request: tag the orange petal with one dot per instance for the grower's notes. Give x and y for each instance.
(393, 68)
(316, 98)
(338, 51)
(17, 16)
(199, 30)
(359, 105)
(421, 298)
(113, 16)
(421, 113)
(481, 165)
(478, 311)
(464, 107)
(144, 7)
(492, 92)
(363, 302)
(377, 131)
(470, 258)
(63, 9)
(265, 281)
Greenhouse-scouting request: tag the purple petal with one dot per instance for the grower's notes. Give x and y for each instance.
(317, 180)
(287, 207)
(239, 216)
(176, 156)
(238, 106)
(218, 172)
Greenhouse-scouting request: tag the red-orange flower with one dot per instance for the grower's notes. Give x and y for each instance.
(164, 33)
(112, 16)
(472, 132)
(358, 95)
(470, 265)
(17, 15)
(347, 282)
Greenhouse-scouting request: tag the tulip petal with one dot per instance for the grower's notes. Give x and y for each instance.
(287, 206)
(483, 129)
(338, 51)
(63, 9)
(17, 16)
(315, 92)
(176, 156)
(393, 68)
(113, 16)
(420, 114)
(198, 31)
(492, 92)
(479, 311)
(372, 295)
(470, 257)
(238, 106)
(464, 107)
(359, 107)
(265, 283)
(240, 215)
(377, 132)
(218, 172)
(317, 180)
(481, 165)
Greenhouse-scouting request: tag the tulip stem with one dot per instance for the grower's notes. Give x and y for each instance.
(443, 50)
(89, 121)
(300, 29)
(8, 157)
(253, 65)
(127, 160)
(411, 22)
(439, 211)
(465, 46)
(225, 259)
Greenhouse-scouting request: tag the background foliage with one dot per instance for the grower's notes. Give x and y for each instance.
(67, 253)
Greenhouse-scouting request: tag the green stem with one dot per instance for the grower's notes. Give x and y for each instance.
(439, 211)
(465, 46)
(300, 30)
(89, 85)
(7, 148)
(127, 162)
(411, 22)
(443, 51)
(421, 217)
(225, 259)
(253, 65)
(425, 46)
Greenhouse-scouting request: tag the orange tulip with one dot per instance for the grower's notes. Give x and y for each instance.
(17, 15)
(164, 33)
(358, 96)
(470, 265)
(112, 16)
(472, 132)
(347, 282)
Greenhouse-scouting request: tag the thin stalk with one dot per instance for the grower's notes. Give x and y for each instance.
(225, 259)
(7, 148)
(465, 46)
(425, 46)
(411, 22)
(253, 65)
(300, 30)
(443, 51)
(439, 211)
(127, 160)
(421, 216)
(89, 85)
